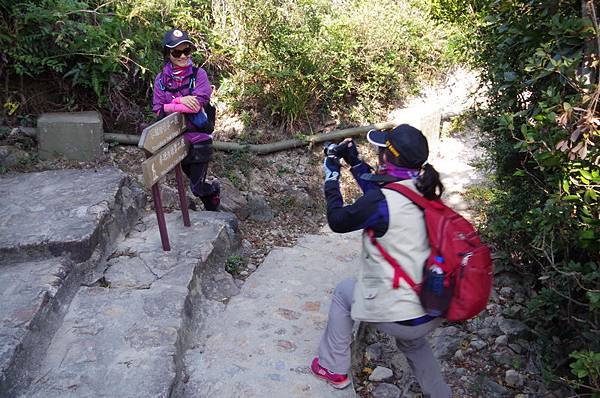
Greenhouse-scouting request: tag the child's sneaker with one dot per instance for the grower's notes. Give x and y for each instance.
(336, 380)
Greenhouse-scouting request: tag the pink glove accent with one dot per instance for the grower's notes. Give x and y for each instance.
(170, 108)
(176, 100)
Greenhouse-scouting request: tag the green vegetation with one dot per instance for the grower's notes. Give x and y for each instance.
(587, 367)
(294, 58)
(288, 60)
(541, 128)
(234, 264)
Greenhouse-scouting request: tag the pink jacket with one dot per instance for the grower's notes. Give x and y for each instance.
(168, 90)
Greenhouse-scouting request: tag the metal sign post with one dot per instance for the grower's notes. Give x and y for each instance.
(165, 149)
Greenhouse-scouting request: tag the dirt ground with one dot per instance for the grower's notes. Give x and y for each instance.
(290, 181)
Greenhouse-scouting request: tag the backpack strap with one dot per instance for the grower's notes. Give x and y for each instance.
(398, 271)
(423, 203)
(192, 83)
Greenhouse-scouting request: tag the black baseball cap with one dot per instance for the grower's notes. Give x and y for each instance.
(405, 142)
(175, 37)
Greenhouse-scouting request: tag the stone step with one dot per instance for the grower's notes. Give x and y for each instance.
(32, 297)
(70, 212)
(126, 335)
(261, 343)
(53, 233)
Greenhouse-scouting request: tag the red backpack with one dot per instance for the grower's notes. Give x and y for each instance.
(467, 262)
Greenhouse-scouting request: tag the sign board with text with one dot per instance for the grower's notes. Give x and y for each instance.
(162, 132)
(164, 161)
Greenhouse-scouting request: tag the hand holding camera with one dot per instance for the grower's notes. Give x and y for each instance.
(344, 150)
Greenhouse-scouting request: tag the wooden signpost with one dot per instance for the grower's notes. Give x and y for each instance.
(165, 148)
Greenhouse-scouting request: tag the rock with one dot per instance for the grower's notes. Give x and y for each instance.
(11, 156)
(501, 340)
(246, 245)
(503, 357)
(386, 390)
(478, 344)
(170, 198)
(494, 389)
(494, 308)
(400, 366)
(506, 291)
(258, 208)
(300, 198)
(459, 355)
(494, 297)
(446, 127)
(371, 334)
(232, 199)
(492, 321)
(240, 179)
(486, 332)
(512, 327)
(519, 298)
(461, 371)
(445, 341)
(516, 348)
(373, 352)
(516, 309)
(513, 378)
(220, 286)
(381, 373)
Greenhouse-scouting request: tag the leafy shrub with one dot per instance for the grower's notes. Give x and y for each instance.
(587, 366)
(288, 59)
(298, 57)
(104, 51)
(542, 131)
(460, 19)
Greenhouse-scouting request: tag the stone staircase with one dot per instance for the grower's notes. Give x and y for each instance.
(91, 305)
(262, 342)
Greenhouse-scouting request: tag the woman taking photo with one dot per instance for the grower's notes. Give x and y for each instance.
(399, 227)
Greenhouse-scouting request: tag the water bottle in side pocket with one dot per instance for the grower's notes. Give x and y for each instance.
(435, 295)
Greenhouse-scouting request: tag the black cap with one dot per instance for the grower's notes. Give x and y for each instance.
(405, 142)
(175, 37)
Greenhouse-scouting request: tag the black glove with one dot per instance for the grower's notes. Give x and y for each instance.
(347, 151)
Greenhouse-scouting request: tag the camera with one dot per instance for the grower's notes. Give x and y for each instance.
(337, 150)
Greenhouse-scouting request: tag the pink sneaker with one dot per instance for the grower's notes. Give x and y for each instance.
(336, 380)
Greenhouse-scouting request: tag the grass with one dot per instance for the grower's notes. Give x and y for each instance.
(234, 264)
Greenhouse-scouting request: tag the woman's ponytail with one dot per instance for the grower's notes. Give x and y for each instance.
(429, 183)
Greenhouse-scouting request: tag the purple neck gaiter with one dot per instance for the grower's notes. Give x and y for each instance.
(177, 73)
(399, 172)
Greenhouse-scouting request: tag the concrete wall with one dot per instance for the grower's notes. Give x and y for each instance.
(74, 136)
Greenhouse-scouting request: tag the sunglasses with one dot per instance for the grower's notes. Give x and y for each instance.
(178, 53)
